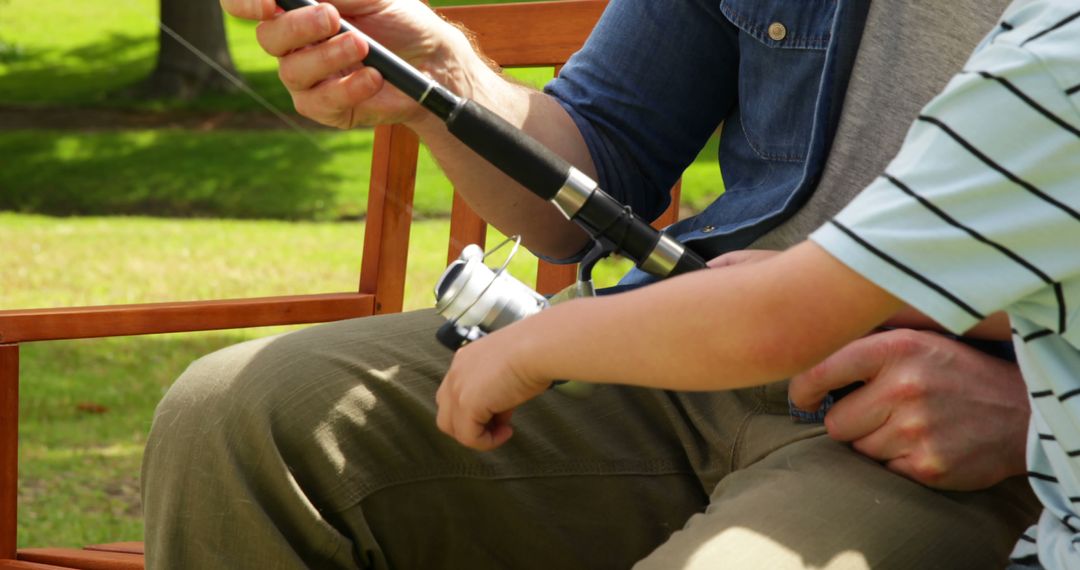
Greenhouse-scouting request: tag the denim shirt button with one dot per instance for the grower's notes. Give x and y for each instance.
(707, 229)
(777, 31)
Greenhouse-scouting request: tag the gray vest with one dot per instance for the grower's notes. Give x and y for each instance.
(909, 51)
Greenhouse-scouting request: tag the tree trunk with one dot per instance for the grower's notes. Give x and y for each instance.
(179, 73)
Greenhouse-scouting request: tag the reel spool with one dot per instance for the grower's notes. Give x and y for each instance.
(476, 300)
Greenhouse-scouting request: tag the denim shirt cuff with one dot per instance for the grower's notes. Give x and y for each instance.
(818, 416)
(815, 417)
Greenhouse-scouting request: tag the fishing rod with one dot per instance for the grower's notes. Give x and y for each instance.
(613, 227)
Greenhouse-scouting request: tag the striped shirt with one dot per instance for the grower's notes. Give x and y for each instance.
(980, 212)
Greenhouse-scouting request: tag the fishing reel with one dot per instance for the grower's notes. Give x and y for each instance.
(476, 300)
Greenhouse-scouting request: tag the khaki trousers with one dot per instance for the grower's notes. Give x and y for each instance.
(318, 449)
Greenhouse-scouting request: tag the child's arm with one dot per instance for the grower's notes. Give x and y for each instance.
(715, 329)
(994, 327)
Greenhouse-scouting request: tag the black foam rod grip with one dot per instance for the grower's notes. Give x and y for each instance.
(510, 149)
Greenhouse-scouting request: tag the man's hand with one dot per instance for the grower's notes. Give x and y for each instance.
(324, 73)
(933, 409)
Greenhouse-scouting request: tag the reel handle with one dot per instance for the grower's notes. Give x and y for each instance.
(449, 336)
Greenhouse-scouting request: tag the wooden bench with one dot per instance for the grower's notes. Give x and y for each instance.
(541, 34)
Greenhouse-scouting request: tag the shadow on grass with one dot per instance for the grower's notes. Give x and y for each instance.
(265, 174)
(82, 75)
(99, 74)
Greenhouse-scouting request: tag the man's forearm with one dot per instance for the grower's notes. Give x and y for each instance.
(495, 196)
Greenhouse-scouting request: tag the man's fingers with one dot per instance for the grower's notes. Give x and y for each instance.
(292, 30)
(899, 441)
(331, 102)
(862, 359)
(926, 469)
(860, 414)
(884, 442)
(249, 9)
(905, 446)
(305, 68)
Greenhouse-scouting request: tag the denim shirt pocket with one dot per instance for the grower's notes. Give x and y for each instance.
(782, 47)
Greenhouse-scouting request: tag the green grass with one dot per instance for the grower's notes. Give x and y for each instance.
(79, 468)
(108, 260)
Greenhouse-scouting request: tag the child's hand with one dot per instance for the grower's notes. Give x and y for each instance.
(487, 379)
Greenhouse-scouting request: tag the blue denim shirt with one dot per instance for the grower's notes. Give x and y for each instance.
(656, 79)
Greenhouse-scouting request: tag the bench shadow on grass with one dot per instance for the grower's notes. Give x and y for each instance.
(99, 74)
(236, 174)
(85, 75)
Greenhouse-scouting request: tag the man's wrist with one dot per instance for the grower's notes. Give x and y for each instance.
(461, 67)
(481, 85)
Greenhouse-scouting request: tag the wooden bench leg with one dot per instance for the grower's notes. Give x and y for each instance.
(9, 448)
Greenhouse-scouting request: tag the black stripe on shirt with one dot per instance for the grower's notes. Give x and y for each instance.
(978, 237)
(1027, 538)
(1068, 518)
(1029, 101)
(1031, 560)
(990, 162)
(1069, 394)
(911, 272)
(1041, 477)
(1050, 437)
(1063, 22)
(1037, 335)
(983, 239)
(1061, 307)
(1073, 90)
(1006, 26)
(1042, 393)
